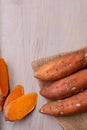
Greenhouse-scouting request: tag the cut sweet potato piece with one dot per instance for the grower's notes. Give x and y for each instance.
(19, 108)
(16, 92)
(4, 87)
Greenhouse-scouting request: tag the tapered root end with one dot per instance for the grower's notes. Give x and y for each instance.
(45, 109)
(42, 92)
(36, 74)
(41, 110)
(45, 92)
(39, 75)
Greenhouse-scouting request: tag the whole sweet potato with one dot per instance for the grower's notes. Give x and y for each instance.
(67, 86)
(68, 106)
(62, 66)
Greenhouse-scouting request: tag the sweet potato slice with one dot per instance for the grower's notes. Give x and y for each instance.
(4, 87)
(19, 108)
(16, 92)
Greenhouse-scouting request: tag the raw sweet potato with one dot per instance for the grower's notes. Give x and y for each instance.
(20, 107)
(4, 87)
(18, 91)
(67, 86)
(39, 62)
(68, 106)
(62, 66)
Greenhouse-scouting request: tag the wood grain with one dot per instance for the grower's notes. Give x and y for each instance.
(30, 29)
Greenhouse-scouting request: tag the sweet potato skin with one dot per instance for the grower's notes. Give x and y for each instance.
(62, 66)
(67, 86)
(68, 106)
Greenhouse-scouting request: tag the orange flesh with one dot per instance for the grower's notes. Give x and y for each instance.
(21, 107)
(3, 78)
(16, 92)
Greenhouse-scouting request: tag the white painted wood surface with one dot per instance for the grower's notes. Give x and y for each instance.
(31, 29)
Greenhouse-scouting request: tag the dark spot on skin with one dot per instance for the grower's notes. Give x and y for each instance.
(57, 86)
(75, 80)
(56, 69)
(62, 62)
(79, 62)
(67, 105)
(72, 104)
(62, 106)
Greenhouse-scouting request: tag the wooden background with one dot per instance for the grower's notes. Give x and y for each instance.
(30, 29)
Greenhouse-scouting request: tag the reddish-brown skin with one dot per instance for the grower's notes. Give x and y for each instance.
(62, 66)
(67, 86)
(68, 106)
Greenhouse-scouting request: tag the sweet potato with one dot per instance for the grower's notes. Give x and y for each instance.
(39, 62)
(68, 106)
(20, 107)
(4, 87)
(62, 66)
(67, 86)
(18, 91)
